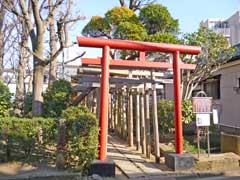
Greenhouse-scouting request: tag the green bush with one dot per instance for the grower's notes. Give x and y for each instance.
(187, 111)
(166, 115)
(22, 134)
(56, 98)
(82, 136)
(71, 114)
(5, 100)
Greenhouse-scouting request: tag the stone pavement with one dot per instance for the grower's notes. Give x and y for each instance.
(131, 163)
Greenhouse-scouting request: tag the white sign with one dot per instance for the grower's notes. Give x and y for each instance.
(203, 119)
(215, 116)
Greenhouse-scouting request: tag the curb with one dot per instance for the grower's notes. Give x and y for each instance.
(192, 176)
(61, 176)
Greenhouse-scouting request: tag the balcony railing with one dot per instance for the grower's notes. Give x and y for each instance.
(224, 31)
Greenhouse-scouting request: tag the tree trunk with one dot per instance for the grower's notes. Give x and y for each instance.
(38, 75)
(19, 99)
(20, 86)
(30, 83)
(2, 14)
(1, 57)
(53, 48)
(38, 61)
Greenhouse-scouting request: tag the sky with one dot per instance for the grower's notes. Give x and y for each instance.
(189, 12)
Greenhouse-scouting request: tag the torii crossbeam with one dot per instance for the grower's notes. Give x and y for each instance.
(106, 63)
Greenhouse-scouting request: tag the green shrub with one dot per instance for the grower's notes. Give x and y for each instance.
(71, 114)
(166, 115)
(82, 136)
(84, 144)
(5, 100)
(22, 134)
(187, 111)
(56, 98)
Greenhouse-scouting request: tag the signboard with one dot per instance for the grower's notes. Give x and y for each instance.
(202, 119)
(202, 104)
(215, 116)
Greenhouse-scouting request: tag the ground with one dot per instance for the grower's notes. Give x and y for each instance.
(130, 165)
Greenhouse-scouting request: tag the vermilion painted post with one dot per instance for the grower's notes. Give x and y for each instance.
(177, 103)
(104, 103)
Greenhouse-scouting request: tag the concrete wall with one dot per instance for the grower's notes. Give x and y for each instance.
(169, 91)
(230, 143)
(234, 25)
(229, 101)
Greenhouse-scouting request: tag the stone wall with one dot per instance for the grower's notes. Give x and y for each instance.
(230, 143)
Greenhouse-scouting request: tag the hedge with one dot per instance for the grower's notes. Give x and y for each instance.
(25, 135)
(81, 137)
(166, 115)
(5, 100)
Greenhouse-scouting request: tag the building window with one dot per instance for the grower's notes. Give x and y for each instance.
(212, 87)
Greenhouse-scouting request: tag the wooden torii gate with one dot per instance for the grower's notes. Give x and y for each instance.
(106, 63)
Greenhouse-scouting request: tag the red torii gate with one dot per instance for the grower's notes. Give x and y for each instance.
(105, 62)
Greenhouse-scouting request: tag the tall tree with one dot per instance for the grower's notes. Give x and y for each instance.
(2, 15)
(37, 17)
(53, 46)
(157, 19)
(153, 23)
(119, 22)
(215, 52)
(107, 26)
(21, 69)
(7, 42)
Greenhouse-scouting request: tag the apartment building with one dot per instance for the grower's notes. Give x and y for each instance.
(229, 27)
(224, 86)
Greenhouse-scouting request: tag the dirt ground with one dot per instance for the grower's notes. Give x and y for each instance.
(15, 170)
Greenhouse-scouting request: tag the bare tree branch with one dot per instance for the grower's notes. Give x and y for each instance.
(136, 4)
(122, 2)
(54, 9)
(74, 59)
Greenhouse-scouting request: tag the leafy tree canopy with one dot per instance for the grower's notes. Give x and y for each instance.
(164, 38)
(130, 31)
(215, 47)
(156, 18)
(215, 52)
(97, 27)
(117, 15)
(154, 23)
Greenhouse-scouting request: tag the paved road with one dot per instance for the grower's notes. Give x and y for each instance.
(219, 178)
